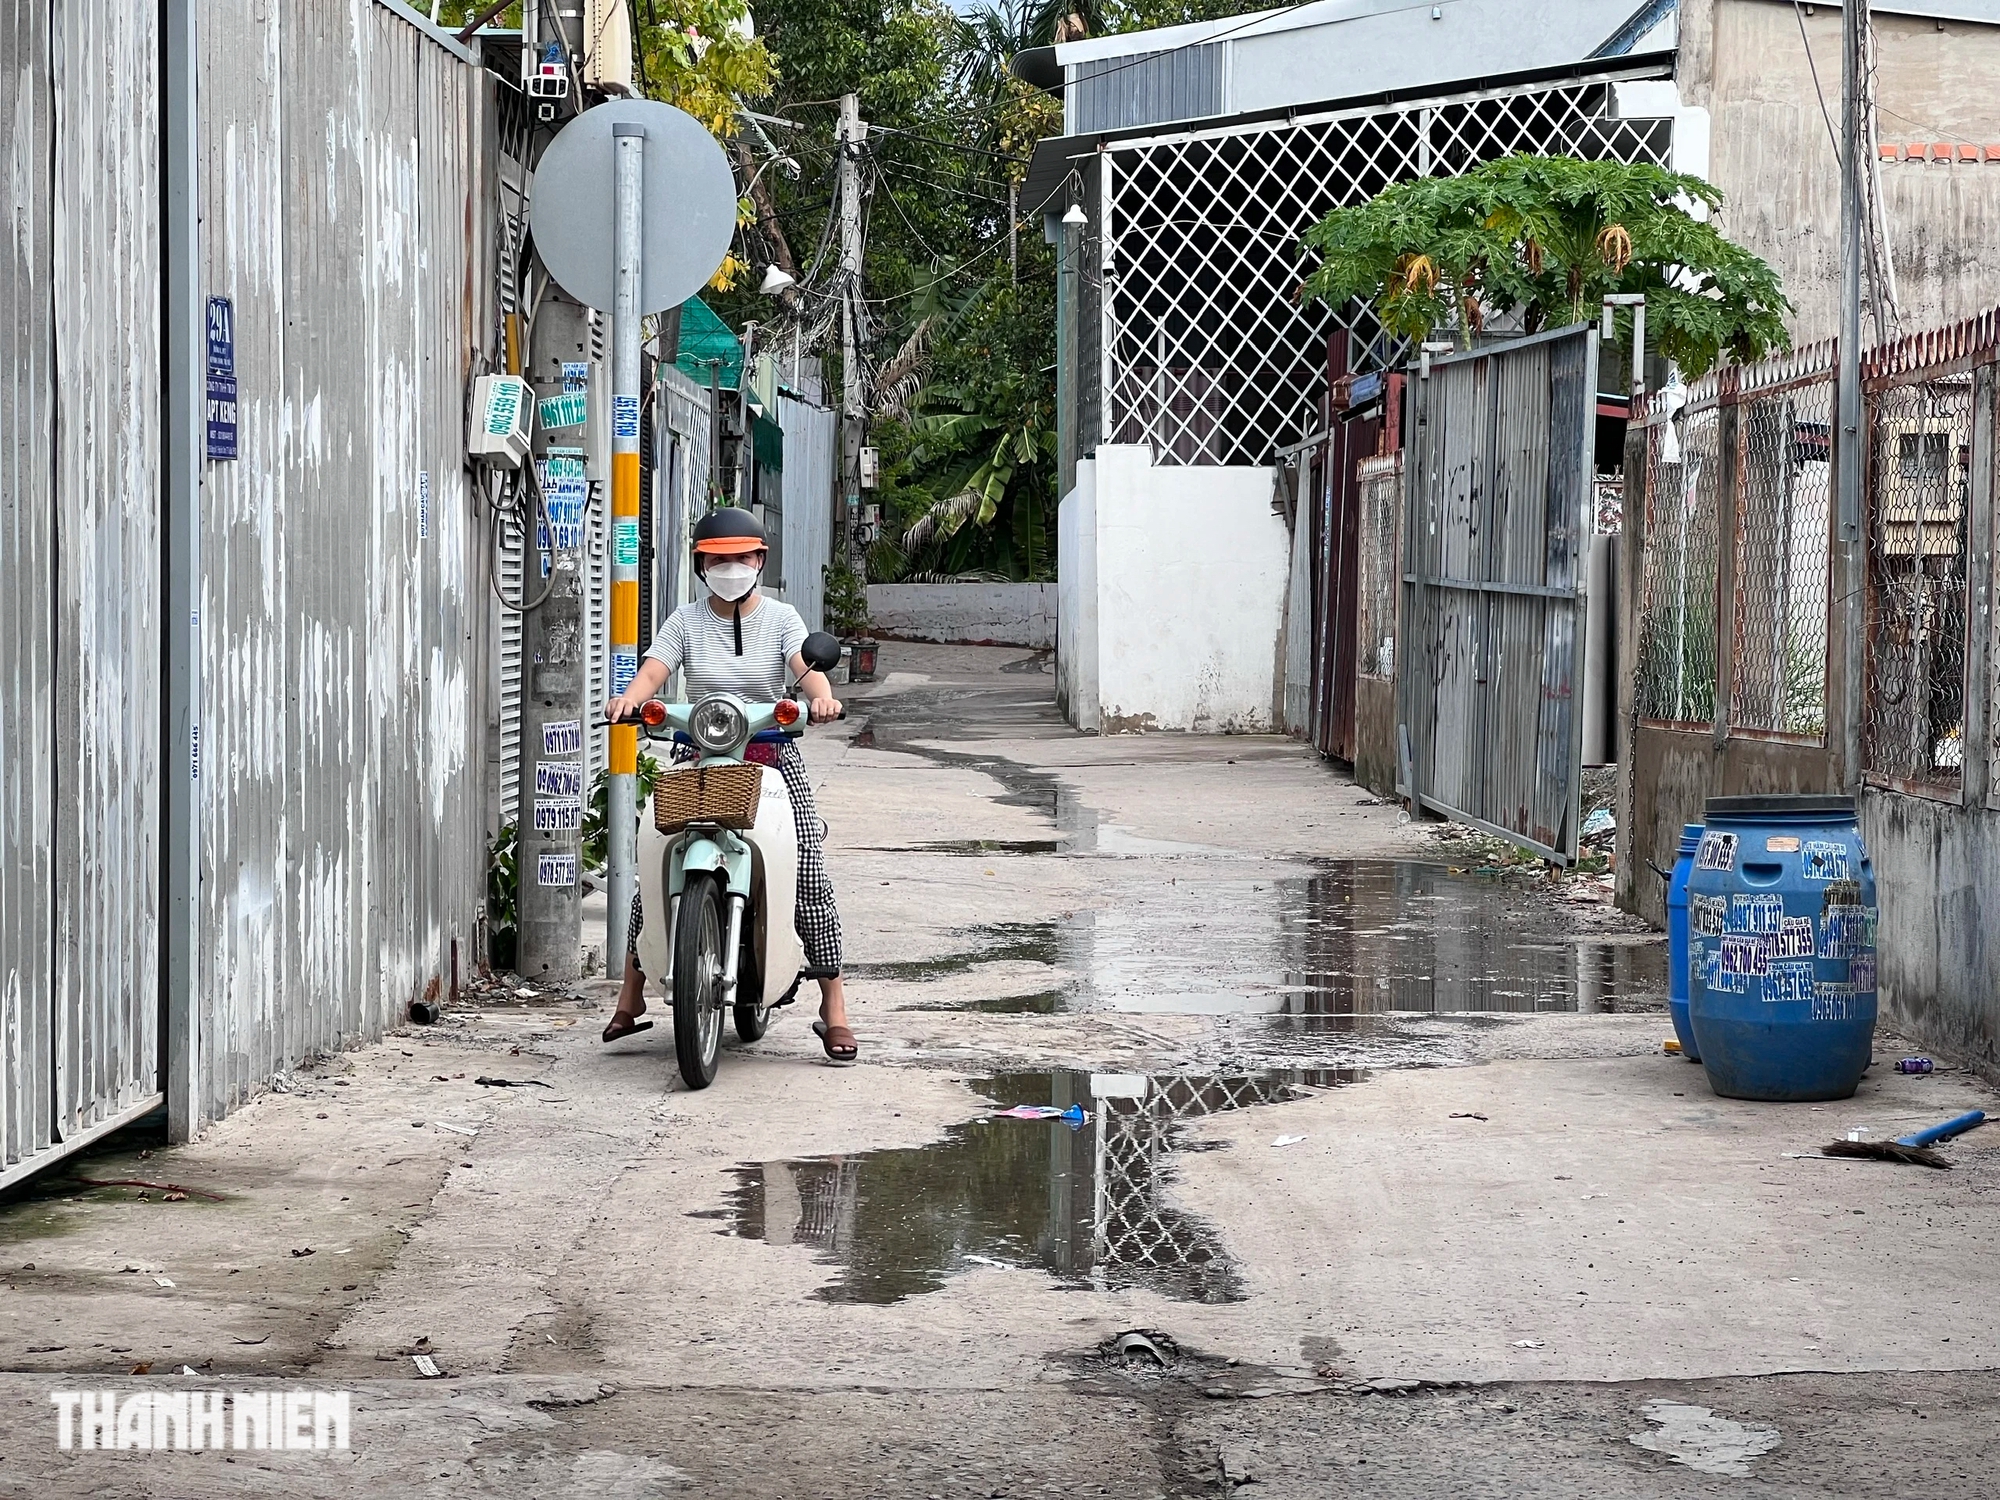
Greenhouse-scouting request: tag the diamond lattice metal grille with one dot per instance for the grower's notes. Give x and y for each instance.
(1210, 356)
(1778, 676)
(1677, 635)
(1141, 1238)
(1919, 475)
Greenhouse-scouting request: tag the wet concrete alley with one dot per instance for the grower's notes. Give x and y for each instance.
(1360, 1173)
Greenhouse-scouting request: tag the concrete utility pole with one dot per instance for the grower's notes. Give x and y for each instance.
(1847, 461)
(555, 652)
(851, 133)
(621, 801)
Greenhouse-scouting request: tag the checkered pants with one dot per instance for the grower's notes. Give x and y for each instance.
(814, 914)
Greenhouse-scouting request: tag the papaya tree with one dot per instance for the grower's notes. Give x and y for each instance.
(1543, 240)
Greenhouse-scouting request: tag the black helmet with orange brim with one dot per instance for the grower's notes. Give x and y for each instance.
(729, 532)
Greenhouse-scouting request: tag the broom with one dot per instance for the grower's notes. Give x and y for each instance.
(1913, 1148)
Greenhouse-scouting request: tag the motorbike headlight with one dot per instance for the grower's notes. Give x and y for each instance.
(717, 724)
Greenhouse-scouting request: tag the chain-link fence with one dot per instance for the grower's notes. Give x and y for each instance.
(1677, 640)
(1782, 558)
(1209, 354)
(1919, 474)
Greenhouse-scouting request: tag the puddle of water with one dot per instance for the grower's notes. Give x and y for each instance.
(997, 942)
(971, 846)
(1086, 1205)
(1043, 1003)
(1361, 938)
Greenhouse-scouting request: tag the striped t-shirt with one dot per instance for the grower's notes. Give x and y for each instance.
(703, 643)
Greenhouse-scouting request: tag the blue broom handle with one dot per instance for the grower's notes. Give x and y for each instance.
(1930, 1135)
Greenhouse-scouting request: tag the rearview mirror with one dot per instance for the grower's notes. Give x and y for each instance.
(821, 651)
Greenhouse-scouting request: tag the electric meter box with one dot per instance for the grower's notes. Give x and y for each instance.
(871, 468)
(502, 420)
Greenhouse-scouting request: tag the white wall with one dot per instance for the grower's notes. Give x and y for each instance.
(1185, 572)
(1076, 600)
(980, 614)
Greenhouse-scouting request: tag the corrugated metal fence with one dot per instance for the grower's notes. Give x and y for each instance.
(80, 549)
(342, 592)
(344, 629)
(1494, 538)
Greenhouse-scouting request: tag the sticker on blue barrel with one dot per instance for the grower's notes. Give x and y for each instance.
(558, 778)
(1831, 1002)
(1716, 852)
(1790, 984)
(562, 737)
(1759, 914)
(1782, 843)
(1745, 956)
(625, 416)
(1861, 973)
(624, 667)
(1821, 860)
(1794, 939)
(1695, 961)
(1844, 931)
(625, 542)
(1719, 980)
(1706, 914)
(555, 869)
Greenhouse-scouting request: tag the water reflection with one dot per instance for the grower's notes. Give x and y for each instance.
(1358, 938)
(1089, 1206)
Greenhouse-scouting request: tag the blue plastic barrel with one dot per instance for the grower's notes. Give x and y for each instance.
(1677, 941)
(1781, 948)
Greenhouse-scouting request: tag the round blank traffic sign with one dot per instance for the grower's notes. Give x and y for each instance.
(689, 213)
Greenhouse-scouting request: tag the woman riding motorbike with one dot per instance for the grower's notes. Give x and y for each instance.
(737, 641)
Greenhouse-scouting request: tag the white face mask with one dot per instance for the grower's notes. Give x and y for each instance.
(730, 581)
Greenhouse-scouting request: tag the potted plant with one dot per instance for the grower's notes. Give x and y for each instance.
(847, 616)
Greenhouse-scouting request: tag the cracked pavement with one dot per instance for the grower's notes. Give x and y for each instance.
(1506, 1245)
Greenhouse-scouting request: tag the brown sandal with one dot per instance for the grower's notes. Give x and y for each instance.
(613, 1030)
(839, 1043)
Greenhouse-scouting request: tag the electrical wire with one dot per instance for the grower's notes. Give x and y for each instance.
(948, 145)
(1825, 114)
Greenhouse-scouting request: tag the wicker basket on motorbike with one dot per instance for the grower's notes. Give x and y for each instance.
(726, 795)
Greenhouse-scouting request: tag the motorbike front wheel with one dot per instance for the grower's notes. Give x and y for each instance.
(752, 1019)
(698, 935)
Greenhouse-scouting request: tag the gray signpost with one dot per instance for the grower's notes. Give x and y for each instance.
(634, 207)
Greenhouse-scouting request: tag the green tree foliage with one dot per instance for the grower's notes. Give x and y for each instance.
(1547, 238)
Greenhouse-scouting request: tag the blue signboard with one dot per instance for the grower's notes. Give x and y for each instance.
(221, 415)
(221, 378)
(221, 337)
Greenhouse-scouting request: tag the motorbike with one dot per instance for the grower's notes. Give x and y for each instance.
(718, 869)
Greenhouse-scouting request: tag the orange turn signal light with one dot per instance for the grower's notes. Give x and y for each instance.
(652, 713)
(786, 712)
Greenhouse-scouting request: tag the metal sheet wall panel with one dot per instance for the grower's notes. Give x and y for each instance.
(344, 640)
(27, 605)
(1115, 93)
(811, 440)
(1498, 510)
(105, 58)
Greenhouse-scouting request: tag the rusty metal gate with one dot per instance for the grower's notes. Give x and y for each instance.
(1495, 537)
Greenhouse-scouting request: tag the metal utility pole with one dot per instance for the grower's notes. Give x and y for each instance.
(1847, 450)
(621, 802)
(555, 653)
(851, 133)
